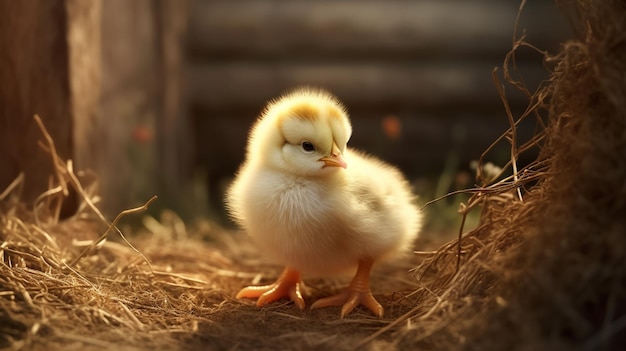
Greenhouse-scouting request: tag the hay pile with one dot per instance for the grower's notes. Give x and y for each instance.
(545, 268)
(551, 270)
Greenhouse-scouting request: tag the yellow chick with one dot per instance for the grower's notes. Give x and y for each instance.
(317, 206)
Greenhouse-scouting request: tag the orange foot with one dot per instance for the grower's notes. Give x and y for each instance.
(358, 292)
(288, 285)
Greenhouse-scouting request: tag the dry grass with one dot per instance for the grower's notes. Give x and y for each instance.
(544, 269)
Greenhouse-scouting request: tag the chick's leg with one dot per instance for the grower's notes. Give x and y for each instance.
(358, 292)
(289, 284)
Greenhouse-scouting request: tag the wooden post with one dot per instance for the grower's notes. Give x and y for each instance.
(34, 78)
(105, 78)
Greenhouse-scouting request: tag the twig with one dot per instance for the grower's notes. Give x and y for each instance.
(55, 157)
(113, 225)
(17, 181)
(512, 129)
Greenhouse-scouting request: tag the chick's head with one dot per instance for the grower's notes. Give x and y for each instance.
(303, 133)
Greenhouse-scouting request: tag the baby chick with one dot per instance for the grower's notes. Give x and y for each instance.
(317, 206)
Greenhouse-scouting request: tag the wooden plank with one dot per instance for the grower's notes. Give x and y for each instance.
(84, 45)
(442, 85)
(142, 142)
(370, 28)
(128, 103)
(173, 146)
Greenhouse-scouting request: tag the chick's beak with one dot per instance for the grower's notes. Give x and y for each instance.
(335, 159)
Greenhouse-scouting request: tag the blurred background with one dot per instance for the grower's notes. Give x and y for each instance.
(157, 96)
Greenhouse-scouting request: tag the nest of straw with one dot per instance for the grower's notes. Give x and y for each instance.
(544, 269)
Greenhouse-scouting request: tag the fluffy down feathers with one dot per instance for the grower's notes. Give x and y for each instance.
(310, 202)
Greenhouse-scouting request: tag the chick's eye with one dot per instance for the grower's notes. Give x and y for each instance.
(307, 146)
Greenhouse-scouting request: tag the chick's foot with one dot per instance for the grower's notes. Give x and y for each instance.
(288, 285)
(358, 292)
(349, 299)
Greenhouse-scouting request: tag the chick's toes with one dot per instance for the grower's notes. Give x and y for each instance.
(350, 299)
(358, 292)
(288, 285)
